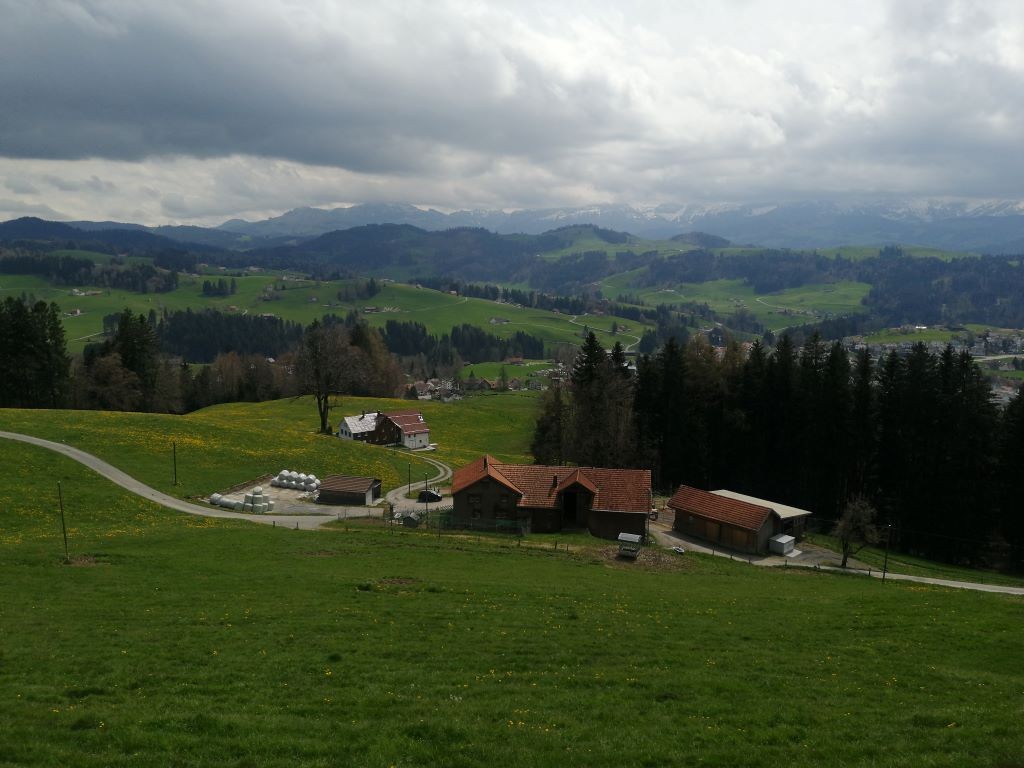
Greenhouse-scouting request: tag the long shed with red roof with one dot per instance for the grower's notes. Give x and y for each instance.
(488, 493)
(739, 522)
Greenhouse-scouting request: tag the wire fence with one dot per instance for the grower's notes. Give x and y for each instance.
(433, 517)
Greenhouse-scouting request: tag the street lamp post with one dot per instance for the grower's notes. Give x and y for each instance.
(885, 563)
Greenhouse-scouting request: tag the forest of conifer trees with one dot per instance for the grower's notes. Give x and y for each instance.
(919, 436)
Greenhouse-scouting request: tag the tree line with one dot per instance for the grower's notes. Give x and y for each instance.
(132, 369)
(464, 343)
(73, 270)
(917, 436)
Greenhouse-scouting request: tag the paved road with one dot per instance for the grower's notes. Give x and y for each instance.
(818, 558)
(397, 497)
(129, 483)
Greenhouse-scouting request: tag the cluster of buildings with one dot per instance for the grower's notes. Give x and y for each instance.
(979, 345)
(488, 493)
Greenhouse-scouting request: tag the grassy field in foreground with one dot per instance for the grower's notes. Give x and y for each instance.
(174, 640)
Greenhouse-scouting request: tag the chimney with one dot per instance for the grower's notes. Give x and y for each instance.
(485, 461)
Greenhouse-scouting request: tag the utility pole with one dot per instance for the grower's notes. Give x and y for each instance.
(63, 527)
(885, 563)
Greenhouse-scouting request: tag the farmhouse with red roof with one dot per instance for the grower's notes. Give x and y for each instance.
(529, 497)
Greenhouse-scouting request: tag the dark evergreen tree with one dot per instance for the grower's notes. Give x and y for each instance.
(548, 444)
(1010, 470)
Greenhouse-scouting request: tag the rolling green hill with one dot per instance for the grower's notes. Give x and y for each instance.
(306, 300)
(210, 642)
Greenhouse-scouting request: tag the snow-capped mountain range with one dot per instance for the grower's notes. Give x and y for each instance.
(995, 226)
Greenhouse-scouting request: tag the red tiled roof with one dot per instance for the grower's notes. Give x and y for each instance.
(577, 478)
(720, 508)
(410, 422)
(616, 490)
(474, 472)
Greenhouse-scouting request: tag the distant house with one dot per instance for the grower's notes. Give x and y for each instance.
(733, 520)
(407, 428)
(606, 502)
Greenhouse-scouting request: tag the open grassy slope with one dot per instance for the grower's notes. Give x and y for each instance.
(794, 306)
(223, 445)
(304, 301)
(177, 641)
(217, 447)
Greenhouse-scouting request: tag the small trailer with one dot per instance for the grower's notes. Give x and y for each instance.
(629, 545)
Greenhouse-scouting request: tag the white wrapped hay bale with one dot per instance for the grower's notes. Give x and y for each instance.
(237, 506)
(215, 498)
(258, 490)
(260, 508)
(270, 506)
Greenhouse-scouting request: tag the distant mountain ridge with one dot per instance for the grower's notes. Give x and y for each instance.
(991, 227)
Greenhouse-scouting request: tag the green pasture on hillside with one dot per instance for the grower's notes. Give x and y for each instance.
(305, 300)
(223, 445)
(217, 447)
(934, 333)
(794, 306)
(589, 242)
(175, 640)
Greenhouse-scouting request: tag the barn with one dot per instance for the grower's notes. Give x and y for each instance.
(345, 490)
(733, 520)
(790, 520)
(531, 497)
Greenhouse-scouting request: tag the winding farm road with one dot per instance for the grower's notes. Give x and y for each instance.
(636, 339)
(129, 483)
(396, 498)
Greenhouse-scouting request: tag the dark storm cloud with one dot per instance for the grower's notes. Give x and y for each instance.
(127, 82)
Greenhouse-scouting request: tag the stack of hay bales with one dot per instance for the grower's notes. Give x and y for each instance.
(256, 502)
(300, 481)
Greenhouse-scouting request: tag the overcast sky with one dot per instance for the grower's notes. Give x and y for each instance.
(195, 112)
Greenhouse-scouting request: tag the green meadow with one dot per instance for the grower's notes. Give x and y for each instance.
(306, 300)
(224, 445)
(176, 640)
(588, 242)
(782, 309)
